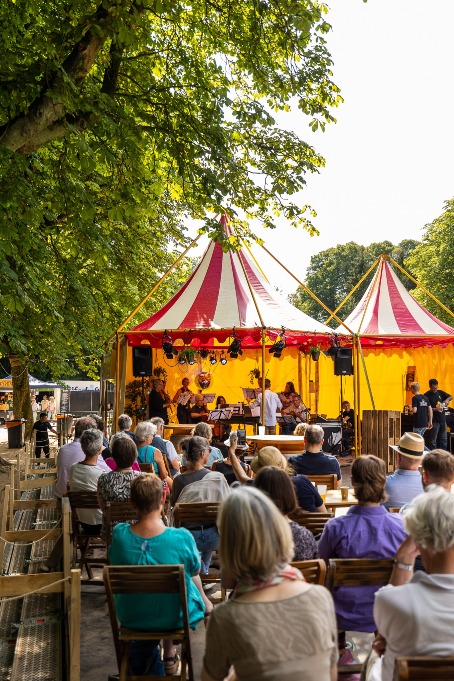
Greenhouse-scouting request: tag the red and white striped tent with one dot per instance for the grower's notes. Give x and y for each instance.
(388, 316)
(227, 291)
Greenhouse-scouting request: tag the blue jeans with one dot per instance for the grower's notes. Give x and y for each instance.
(438, 437)
(207, 540)
(421, 431)
(145, 658)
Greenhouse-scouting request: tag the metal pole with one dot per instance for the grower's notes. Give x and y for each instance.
(262, 406)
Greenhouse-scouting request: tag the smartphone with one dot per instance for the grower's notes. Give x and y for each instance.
(241, 436)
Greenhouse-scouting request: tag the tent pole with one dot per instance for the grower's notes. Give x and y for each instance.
(262, 406)
(365, 372)
(300, 375)
(428, 293)
(303, 286)
(156, 286)
(355, 397)
(353, 290)
(358, 392)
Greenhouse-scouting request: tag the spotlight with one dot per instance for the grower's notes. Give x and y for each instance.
(213, 359)
(223, 359)
(167, 347)
(191, 361)
(235, 347)
(279, 345)
(204, 353)
(181, 359)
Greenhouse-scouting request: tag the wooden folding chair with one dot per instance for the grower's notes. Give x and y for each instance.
(329, 480)
(424, 668)
(118, 512)
(82, 541)
(203, 513)
(314, 571)
(315, 522)
(357, 572)
(145, 580)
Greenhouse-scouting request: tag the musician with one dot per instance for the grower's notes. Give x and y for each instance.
(183, 410)
(286, 396)
(221, 429)
(298, 410)
(348, 426)
(158, 401)
(199, 411)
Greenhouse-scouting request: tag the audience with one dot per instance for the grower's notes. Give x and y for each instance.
(313, 461)
(115, 485)
(367, 530)
(72, 453)
(144, 432)
(199, 484)
(438, 469)
(276, 484)
(149, 542)
(204, 430)
(275, 625)
(405, 483)
(416, 616)
(124, 425)
(110, 461)
(84, 476)
(165, 446)
(225, 467)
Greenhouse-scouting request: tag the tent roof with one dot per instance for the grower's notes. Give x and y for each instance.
(36, 383)
(388, 315)
(226, 291)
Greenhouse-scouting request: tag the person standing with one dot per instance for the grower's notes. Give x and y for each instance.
(182, 400)
(157, 405)
(272, 405)
(52, 407)
(45, 404)
(35, 408)
(422, 410)
(41, 428)
(438, 400)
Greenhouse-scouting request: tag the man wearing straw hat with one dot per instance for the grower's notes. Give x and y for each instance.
(405, 483)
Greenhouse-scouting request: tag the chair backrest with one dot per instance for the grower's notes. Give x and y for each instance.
(146, 467)
(82, 499)
(359, 572)
(329, 480)
(203, 512)
(314, 571)
(118, 512)
(315, 522)
(394, 509)
(143, 579)
(424, 668)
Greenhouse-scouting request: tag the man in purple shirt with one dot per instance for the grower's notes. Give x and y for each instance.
(72, 453)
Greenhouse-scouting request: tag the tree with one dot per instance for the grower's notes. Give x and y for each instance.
(120, 120)
(333, 273)
(432, 264)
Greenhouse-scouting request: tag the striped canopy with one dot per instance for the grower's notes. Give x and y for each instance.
(388, 315)
(227, 291)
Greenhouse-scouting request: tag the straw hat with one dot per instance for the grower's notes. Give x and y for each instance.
(411, 445)
(268, 456)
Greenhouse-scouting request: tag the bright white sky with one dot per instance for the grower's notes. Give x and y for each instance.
(389, 157)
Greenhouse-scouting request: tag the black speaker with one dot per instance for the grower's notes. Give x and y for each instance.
(343, 365)
(141, 361)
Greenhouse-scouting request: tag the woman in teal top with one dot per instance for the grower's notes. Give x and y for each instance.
(149, 542)
(144, 433)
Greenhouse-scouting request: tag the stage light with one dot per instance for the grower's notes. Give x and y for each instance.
(279, 345)
(204, 353)
(235, 347)
(213, 359)
(223, 359)
(191, 361)
(182, 359)
(167, 347)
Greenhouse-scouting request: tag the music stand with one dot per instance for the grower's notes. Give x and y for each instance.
(207, 398)
(250, 393)
(218, 415)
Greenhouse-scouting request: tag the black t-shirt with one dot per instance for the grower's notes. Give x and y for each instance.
(421, 417)
(350, 416)
(308, 497)
(198, 410)
(434, 399)
(42, 431)
(226, 470)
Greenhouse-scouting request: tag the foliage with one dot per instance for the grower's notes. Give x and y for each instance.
(134, 398)
(333, 273)
(432, 264)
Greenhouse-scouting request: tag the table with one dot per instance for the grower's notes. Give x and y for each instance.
(287, 444)
(334, 499)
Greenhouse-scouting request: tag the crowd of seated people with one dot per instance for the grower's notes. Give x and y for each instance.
(257, 504)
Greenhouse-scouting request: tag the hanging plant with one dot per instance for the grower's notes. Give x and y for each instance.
(187, 355)
(315, 352)
(253, 375)
(160, 372)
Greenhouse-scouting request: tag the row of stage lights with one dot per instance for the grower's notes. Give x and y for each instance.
(233, 350)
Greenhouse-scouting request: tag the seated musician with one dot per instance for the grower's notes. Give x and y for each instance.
(199, 411)
(221, 428)
(298, 410)
(348, 426)
(286, 396)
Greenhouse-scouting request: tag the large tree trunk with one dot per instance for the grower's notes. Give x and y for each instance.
(21, 393)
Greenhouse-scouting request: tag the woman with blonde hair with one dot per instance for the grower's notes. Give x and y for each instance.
(269, 597)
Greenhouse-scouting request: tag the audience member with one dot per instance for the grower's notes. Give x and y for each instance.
(204, 430)
(124, 425)
(269, 595)
(71, 453)
(115, 485)
(224, 466)
(199, 484)
(165, 446)
(313, 461)
(146, 453)
(110, 461)
(366, 531)
(275, 482)
(416, 615)
(438, 469)
(84, 476)
(149, 542)
(405, 483)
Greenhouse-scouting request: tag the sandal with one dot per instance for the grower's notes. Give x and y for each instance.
(171, 664)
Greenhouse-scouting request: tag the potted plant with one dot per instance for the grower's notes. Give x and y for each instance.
(160, 372)
(315, 352)
(186, 355)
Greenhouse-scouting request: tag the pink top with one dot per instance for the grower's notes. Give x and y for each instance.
(113, 466)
